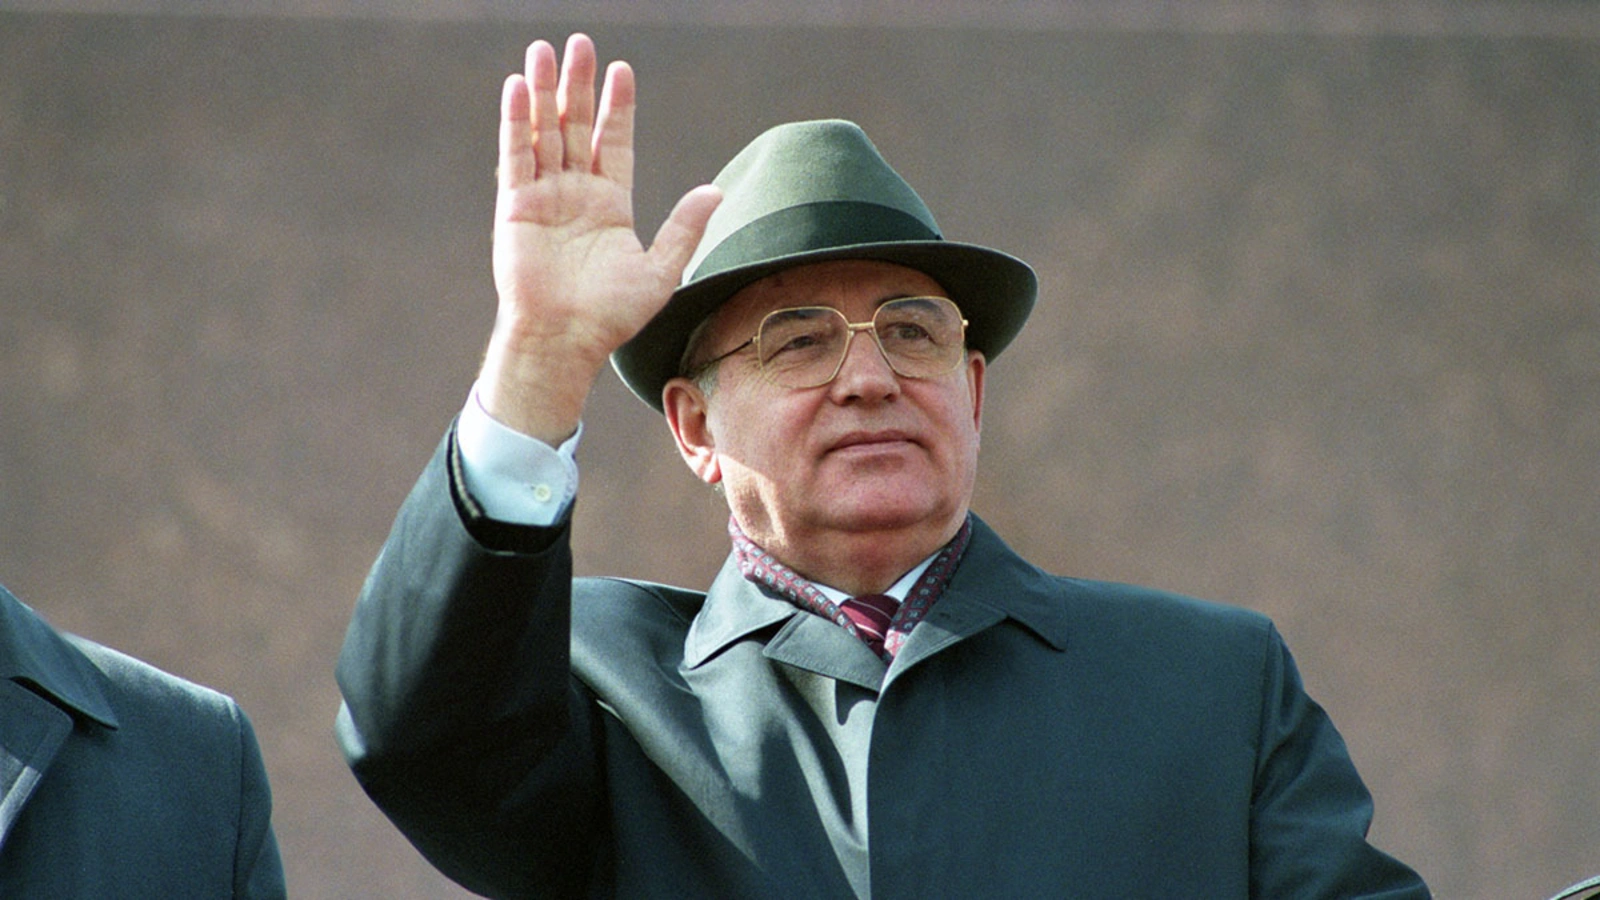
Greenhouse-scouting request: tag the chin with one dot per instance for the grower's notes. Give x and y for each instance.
(884, 516)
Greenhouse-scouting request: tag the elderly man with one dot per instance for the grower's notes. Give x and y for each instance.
(875, 697)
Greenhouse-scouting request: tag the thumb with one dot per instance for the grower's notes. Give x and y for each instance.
(678, 236)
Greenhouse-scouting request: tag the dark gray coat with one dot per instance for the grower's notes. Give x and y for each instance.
(120, 780)
(1036, 736)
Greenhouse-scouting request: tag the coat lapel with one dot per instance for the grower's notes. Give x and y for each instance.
(817, 645)
(32, 729)
(735, 609)
(991, 585)
(44, 681)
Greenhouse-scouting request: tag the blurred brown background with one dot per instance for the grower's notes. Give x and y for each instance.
(1319, 335)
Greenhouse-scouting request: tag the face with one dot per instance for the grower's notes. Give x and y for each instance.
(867, 453)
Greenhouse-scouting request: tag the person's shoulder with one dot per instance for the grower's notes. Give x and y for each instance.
(1075, 604)
(608, 597)
(1186, 639)
(1121, 598)
(1161, 618)
(626, 623)
(141, 689)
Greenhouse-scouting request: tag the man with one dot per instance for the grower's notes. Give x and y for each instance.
(120, 780)
(987, 730)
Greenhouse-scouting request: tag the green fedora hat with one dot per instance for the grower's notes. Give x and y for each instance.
(812, 191)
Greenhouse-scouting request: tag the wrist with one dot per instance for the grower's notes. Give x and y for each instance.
(535, 391)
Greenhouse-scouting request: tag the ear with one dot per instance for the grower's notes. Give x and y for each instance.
(976, 367)
(686, 408)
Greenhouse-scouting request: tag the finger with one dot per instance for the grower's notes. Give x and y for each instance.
(517, 165)
(681, 232)
(613, 139)
(576, 98)
(541, 76)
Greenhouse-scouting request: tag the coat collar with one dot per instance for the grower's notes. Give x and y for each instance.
(991, 585)
(734, 609)
(33, 653)
(993, 577)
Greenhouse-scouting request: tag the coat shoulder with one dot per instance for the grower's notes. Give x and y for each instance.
(1069, 609)
(609, 601)
(1135, 621)
(1160, 608)
(650, 618)
(141, 690)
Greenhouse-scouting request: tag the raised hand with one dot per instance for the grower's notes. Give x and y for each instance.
(574, 280)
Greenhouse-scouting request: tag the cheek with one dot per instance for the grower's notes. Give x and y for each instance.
(959, 418)
(963, 445)
(750, 434)
(964, 455)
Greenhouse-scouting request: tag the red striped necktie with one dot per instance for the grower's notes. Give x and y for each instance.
(871, 614)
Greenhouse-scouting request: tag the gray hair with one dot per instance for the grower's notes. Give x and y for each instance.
(704, 376)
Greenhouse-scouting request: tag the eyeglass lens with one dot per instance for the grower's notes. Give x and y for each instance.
(920, 337)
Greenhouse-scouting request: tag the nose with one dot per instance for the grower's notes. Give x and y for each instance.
(865, 373)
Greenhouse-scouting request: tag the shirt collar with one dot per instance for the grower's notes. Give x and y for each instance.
(898, 590)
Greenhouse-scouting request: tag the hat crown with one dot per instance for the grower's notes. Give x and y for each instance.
(811, 192)
(819, 184)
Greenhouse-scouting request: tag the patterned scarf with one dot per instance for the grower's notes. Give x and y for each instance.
(763, 569)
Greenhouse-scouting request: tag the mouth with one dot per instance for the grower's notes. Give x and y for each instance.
(867, 441)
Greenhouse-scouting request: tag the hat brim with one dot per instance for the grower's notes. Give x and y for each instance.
(996, 292)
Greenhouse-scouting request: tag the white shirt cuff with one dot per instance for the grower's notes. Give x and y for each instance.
(513, 477)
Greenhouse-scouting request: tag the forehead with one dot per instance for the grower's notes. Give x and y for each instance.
(853, 286)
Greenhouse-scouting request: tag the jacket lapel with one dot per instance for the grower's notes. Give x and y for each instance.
(44, 682)
(817, 645)
(735, 609)
(32, 729)
(991, 585)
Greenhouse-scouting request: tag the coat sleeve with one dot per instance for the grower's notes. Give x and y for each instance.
(461, 718)
(258, 868)
(1310, 812)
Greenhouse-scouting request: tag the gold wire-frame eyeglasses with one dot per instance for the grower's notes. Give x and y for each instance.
(806, 346)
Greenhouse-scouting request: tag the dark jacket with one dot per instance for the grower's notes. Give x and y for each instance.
(119, 780)
(1036, 736)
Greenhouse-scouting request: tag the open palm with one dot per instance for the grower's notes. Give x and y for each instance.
(573, 278)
